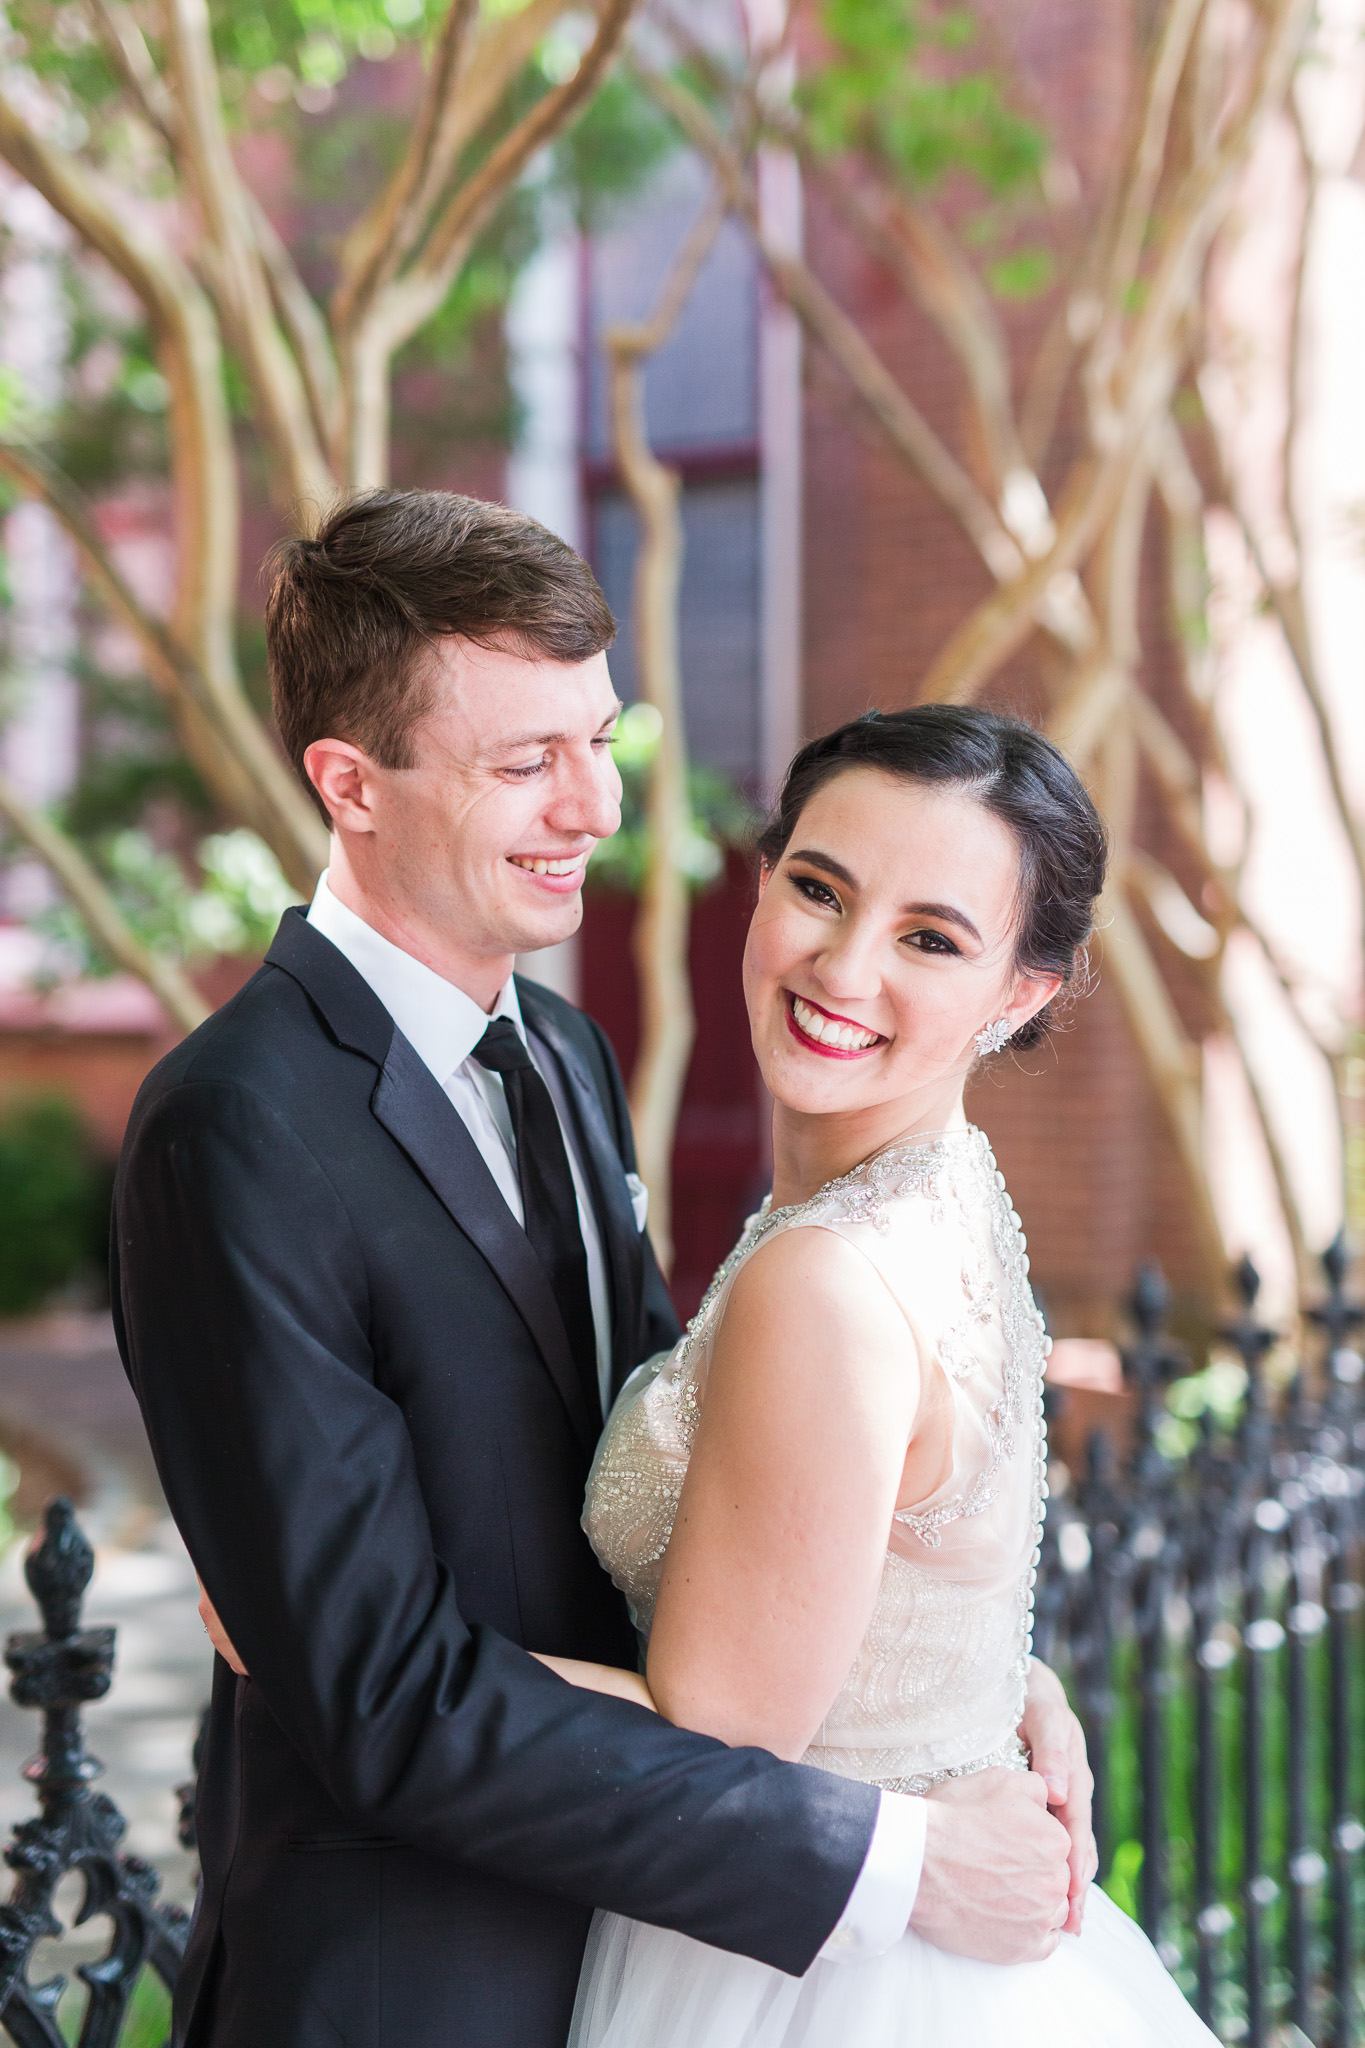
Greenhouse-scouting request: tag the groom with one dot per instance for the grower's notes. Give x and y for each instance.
(378, 1271)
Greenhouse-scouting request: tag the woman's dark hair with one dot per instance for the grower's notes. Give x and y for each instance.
(1011, 771)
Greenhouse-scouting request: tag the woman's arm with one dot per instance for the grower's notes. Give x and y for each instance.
(780, 1540)
(617, 1684)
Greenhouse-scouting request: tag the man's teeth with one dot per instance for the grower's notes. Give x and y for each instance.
(844, 1037)
(546, 867)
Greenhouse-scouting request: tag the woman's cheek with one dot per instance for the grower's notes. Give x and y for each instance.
(773, 947)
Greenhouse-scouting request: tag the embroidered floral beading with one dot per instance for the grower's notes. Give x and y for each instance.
(938, 1683)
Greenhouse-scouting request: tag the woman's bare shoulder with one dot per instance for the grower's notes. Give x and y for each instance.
(807, 1298)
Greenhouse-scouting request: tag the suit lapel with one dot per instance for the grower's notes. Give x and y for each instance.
(415, 1110)
(603, 1162)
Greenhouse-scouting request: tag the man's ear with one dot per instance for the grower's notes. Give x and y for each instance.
(344, 778)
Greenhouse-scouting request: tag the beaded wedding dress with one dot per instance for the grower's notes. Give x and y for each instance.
(937, 1688)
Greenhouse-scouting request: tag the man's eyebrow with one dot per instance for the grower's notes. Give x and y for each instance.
(947, 913)
(519, 740)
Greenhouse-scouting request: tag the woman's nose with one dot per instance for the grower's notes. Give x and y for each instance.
(847, 968)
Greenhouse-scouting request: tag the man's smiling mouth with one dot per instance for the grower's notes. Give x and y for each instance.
(539, 864)
(826, 1033)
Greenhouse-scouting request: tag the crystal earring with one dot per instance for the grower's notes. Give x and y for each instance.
(993, 1037)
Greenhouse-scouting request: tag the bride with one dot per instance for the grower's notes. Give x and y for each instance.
(824, 1506)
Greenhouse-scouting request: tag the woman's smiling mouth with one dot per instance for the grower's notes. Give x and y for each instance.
(821, 1031)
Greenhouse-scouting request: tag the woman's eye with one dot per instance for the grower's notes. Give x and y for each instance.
(930, 942)
(816, 892)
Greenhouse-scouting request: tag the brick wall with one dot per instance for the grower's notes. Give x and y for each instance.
(888, 574)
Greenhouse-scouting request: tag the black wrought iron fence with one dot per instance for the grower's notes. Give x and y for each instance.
(1204, 1600)
(76, 1829)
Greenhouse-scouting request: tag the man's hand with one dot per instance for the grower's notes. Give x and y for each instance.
(995, 1879)
(1057, 1746)
(217, 1634)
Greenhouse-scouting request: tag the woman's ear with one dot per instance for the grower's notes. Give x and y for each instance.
(765, 875)
(1032, 993)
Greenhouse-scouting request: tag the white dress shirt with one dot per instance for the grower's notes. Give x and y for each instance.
(443, 1025)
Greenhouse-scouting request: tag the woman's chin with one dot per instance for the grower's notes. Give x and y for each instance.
(789, 1079)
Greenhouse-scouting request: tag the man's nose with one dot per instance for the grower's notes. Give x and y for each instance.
(586, 797)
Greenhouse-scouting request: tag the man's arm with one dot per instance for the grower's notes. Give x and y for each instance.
(244, 1326)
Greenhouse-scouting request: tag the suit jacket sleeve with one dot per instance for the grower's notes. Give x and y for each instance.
(241, 1301)
(659, 1318)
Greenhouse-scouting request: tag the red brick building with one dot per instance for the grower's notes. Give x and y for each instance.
(883, 575)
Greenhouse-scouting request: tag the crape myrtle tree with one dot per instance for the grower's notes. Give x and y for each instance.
(895, 109)
(134, 121)
(131, 120)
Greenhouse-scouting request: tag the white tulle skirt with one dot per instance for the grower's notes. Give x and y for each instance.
(643, 1987)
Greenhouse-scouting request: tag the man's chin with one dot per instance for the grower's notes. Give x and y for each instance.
(538, 935)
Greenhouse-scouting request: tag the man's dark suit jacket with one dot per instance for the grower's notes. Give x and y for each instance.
(365, 1415)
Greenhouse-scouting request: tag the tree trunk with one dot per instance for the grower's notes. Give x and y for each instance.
(667, 1019)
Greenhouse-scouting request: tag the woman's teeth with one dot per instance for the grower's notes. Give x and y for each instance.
(546, 867)
(843, 1037)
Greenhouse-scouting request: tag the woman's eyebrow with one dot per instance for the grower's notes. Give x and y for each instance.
(828, 863)
(947, 913)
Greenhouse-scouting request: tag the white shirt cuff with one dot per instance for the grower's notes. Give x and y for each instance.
(881, 1902)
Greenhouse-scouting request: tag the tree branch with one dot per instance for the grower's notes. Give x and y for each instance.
(295, 308)
(126, 48)
(1145, 166)
(387, 232)
(828, 325)
(224, 738)
(1172, 1060)
(416, 293)
(500, 51)
(1139, 388)
(205, 478)
(303, 475)
(667, 1016)
(474, 201)
(303, 326)
(64, 859)
(203, 463)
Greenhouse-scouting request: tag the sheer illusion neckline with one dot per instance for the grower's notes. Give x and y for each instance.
(885, 1155)
(859, 1185)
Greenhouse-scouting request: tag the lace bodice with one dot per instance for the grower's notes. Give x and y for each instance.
(937, 1686)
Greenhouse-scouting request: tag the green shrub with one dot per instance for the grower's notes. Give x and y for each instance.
(54, 1202)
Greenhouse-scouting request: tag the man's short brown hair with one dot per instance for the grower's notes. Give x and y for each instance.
(353, 612)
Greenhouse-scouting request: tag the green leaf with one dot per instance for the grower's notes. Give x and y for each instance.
(894, 86)
(1121, 1883)
(1023, 274)
(721, 815)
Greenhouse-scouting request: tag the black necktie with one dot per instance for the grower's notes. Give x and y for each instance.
(548, 1201)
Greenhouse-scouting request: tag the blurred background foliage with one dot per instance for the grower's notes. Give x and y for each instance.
(722, 816)
(54, 1203)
